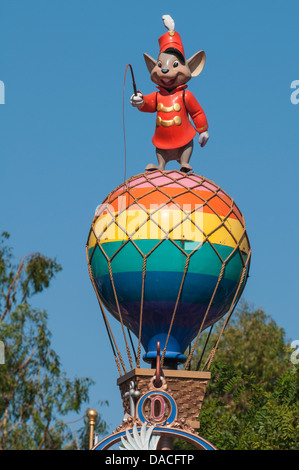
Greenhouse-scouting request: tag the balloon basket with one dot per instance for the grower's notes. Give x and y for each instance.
(187, 389)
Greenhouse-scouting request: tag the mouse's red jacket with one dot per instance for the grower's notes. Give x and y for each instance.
(173, 126)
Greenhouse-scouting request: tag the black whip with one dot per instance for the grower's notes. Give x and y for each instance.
(135, 93)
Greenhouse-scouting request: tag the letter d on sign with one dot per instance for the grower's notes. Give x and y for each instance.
(2, 93)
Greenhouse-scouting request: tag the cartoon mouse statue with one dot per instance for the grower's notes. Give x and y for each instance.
(174, 104)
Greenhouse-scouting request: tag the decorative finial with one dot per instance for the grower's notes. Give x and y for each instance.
(92, 417)
(132, 394)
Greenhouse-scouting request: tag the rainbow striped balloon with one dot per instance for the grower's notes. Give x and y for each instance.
(168, 248)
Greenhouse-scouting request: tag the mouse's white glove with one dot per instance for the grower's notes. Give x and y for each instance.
(203, 138)
(137, 100)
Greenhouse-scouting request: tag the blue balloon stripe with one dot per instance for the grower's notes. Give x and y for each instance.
(161, 290)
(164, 287)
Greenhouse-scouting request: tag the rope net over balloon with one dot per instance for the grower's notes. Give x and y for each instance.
(168, 256)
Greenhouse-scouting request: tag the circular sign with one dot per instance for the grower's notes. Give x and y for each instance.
(156, 407)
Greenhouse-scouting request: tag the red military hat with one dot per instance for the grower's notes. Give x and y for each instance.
(171, 39)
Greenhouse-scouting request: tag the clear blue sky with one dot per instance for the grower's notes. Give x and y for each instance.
(62, 152)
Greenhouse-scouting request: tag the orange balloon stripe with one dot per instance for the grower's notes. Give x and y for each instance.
(219, 204)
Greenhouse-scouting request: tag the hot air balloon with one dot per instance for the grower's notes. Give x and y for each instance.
(168, 256)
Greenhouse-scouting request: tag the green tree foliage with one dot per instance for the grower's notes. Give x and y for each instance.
(34, 389)
(252, 400)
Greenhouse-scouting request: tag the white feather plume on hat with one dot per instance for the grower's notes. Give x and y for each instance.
(168, 22)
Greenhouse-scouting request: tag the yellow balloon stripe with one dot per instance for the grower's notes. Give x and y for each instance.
(164, 223)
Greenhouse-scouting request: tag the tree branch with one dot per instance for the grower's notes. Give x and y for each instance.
(13, 287)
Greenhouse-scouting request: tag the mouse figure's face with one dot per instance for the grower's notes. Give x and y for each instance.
(171, 70)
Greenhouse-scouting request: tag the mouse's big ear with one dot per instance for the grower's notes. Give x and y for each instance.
(150, 62)
(196, 63)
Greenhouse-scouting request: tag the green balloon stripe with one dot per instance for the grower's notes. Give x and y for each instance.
(168, 258)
